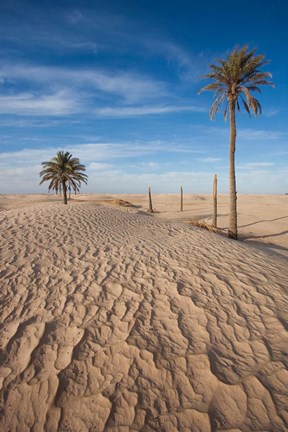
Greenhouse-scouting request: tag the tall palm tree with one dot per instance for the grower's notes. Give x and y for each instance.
(63, 172)
(233, 81)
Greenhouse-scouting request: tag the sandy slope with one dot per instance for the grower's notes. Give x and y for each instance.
(118, 321)
(262, 219)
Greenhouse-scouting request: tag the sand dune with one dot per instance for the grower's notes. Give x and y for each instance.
(262, 219)
(117, 321)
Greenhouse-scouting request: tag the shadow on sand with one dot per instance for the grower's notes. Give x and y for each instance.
(264, 220)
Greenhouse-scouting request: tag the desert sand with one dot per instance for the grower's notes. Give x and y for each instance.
(116, 320)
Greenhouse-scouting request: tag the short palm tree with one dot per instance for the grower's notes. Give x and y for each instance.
(63, 172)
(233, 81)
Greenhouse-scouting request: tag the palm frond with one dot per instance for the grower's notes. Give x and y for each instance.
(226, 110)
(216, 105)
(245, 105)
(252, 101)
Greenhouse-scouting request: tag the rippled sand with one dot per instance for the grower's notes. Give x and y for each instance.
(117, 321)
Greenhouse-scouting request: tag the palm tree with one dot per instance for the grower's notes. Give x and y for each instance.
(63, 172)
(233, 81)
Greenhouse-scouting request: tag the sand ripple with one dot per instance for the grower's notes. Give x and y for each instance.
(116, 321)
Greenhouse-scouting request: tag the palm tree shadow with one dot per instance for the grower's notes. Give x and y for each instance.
(145, 213)
(264, 220)
(268, 247)
(244, 237)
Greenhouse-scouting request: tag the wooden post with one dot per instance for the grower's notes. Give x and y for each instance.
(181, 191)
(150, 201)
(214, 223)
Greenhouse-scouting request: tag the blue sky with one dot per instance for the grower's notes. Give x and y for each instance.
(116, 83)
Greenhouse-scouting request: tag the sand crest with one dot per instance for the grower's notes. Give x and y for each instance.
(117, 321)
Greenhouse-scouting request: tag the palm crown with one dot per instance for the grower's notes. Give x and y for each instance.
(236, 77)
(63, 170)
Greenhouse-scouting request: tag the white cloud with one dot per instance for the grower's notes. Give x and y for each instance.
(19, 171)
(255, 165)
(210, 160)
(242, 133)
(192, 66)
(94, 152)
(271, 112)
(114, 180)
(58, 91)
(34, 122)
(111, 182)
(60, 103)
(97, 166)
(259, 134)
(212, 130)
(87, 153)
(129, 86)
(149, 165)
(108, 151)
(132, 111)
(74, 17)
(86, 46)
(263, 181)
(96, 30)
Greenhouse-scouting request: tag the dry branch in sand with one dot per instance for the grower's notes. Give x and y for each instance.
(205, 225)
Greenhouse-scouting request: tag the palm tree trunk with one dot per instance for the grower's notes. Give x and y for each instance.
(64, 192)
(214, 222)
(150, 201)
(232, 232)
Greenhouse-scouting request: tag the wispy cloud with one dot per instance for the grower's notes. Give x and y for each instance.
(20, 170)
(263, 180)
(149, 165)
(35, 122)
(134, 111)
(192, 65)
(61, 103)
(210, 159)
(257, 134)
(111, 31)
(89, 27)
(211, 130)
(129, 86)
(61, 90)
(242, 133)
(95, 154)
(74, 17)
(271, 112)
(255, 165)
(98, 166)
